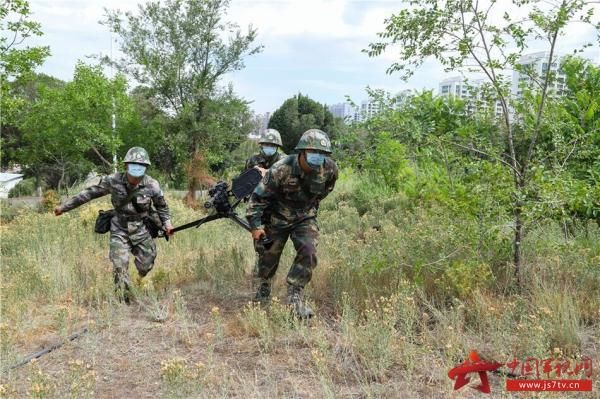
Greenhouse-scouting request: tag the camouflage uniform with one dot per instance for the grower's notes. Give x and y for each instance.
(272, 138)
(263, 161)
(127, 231)
(292, 198)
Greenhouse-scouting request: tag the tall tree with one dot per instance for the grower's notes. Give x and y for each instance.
(17, 61)
(300, 113)
(67, 131)
(24, 92)
(181, 49)
(466, 34)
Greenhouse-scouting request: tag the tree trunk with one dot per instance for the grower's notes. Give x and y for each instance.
(61, 180)
(520, 183)
(198, 175)
(197, 168)
(38, 185)
(518, 240)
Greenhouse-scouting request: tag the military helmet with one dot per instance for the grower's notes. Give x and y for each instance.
(271, 136)
(137, 155)
(314, 139)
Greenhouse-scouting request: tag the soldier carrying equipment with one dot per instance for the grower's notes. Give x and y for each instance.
(132, 194)
(290, 193)
(220, 201)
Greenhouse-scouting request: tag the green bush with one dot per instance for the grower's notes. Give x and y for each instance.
(25, 187)
(388, 162)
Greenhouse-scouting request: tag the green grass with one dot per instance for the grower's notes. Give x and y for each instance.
(402, 293)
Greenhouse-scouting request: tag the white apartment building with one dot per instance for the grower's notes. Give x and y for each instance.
(368, 109)
(467, 90)
(537, 66)
(456, 86)
(343, 110)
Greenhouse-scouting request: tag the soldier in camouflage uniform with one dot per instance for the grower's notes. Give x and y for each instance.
(127, 230)
(270, 143)
(291, 191)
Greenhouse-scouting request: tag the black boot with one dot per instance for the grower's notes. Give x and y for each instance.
(296, 300)
(264, 291)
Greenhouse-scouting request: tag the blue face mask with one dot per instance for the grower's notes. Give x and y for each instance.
(136, 170)
(269, 150)
(315, 159)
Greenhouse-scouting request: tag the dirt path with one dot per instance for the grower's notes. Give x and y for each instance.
(205, 351)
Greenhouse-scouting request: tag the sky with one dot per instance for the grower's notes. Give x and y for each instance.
(310, 46)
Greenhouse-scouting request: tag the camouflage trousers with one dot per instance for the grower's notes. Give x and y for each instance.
(304, 236)
(134, 239)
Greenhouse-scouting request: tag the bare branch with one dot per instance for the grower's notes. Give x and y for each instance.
(515, 170)
(100, 156)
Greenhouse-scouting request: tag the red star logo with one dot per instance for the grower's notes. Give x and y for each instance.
(473, 365)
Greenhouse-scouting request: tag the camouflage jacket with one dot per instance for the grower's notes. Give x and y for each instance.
(289, 194)
(117, 186)
(261, 160)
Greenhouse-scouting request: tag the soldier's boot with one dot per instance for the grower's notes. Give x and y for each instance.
(123, 290)
(296, 300)
(264, 291)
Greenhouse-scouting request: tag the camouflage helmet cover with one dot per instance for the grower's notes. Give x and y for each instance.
(271, 136)
(314, 139)
(137, 155)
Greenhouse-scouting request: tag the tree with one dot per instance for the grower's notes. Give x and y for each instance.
(16, 63)
(300, 113)
(464, 35)
(149, 128)
(15, 21)
(25, 92)
(180, 49)
(67, 131)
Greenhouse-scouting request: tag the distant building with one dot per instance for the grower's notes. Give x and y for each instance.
(533, 69)
(471, 91)
(343, 110)
(402, 97)
(369, 108)
(536, 65)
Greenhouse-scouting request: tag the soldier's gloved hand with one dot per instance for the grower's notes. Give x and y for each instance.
(262, 171)
(57, 211)
(257, 234)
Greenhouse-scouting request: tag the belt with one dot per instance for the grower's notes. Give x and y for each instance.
(129, 218)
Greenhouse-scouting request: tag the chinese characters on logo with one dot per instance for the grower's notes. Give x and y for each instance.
(529, 368)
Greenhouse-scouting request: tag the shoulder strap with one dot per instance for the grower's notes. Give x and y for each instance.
(127, 199)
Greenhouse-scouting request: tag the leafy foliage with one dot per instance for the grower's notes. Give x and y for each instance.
(464, 36)
(300, 113)
(16, 22)
(179, 50)
(17, 62)
(67, 131)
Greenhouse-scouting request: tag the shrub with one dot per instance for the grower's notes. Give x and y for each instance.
(25, 187)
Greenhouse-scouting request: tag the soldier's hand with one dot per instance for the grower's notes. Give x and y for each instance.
(169, 231)
(262, 171)
(257, 234)
(57, 211)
